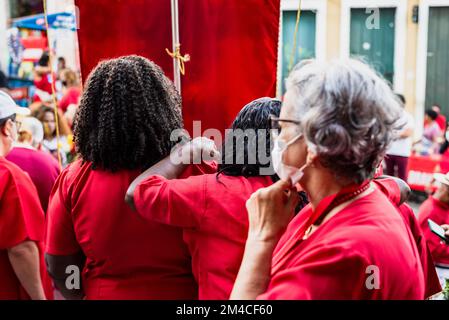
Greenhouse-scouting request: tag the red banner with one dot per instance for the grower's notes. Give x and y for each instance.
(232, 45)
(421, 170)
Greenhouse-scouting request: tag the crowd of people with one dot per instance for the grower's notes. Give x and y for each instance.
(140, 218)
(59, 92)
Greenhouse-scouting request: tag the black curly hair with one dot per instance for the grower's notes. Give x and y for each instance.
(254, 116)
(127, 114)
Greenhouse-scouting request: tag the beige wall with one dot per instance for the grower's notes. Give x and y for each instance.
(333, 29)
(410, 58)
(333, 45)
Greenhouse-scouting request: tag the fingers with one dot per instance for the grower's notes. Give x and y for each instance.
(446, 228)
(281, 192)
(206, 149)
(281, 185)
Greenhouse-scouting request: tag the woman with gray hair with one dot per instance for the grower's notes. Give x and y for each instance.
(350, 242)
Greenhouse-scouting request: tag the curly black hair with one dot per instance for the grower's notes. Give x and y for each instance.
(127, 114)
(254, 122)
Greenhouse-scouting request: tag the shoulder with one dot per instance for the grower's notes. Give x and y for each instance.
(74, 172)
(427, 206)
(11, 170)
(366, 221)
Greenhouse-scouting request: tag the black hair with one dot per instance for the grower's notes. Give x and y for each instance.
(127, 114)
(44, 60)
(432, 114)
(3, 80)
(254, 117)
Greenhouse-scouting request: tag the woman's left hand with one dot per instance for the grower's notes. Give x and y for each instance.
(270, 210)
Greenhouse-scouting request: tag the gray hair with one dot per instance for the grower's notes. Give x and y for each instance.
(348, 113)
(34, 127)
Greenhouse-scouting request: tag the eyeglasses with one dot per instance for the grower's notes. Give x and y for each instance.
(276, 122)
(275, 125)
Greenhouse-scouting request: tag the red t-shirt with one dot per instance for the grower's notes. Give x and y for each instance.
(439, 212)
(71, 97)
(343, 259)
(21, 219)
(441, 121)
(45, 82)
(390, 188)
(432, 282)
(127, 257)
(42, 168)
(215, 221)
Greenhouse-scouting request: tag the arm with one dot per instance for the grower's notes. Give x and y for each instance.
(406, 133)
(269, 212)
(41, 70)
(57, 269)
(254, 274)
(172, 166)
(24, 259)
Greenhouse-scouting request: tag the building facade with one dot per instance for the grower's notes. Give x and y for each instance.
(405, 40)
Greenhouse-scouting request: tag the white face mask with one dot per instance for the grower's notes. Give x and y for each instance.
(285, 172)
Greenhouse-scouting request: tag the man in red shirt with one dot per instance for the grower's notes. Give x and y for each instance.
(436, 208)
(21, 219)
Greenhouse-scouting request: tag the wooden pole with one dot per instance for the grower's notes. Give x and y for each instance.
(176, 43)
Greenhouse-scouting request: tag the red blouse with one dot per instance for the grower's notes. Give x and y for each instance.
(365, 251)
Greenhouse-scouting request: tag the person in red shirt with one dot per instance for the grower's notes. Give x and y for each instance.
(41, 166)
(211, 208)
(398, 192)
(436, 208)
(350, 242)
(71, 95)
(441, 119)
(43, 81)
(124, 125)
(71, 90)
(21, 220)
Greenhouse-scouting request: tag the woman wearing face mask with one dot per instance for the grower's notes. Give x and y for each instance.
(350, 242)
